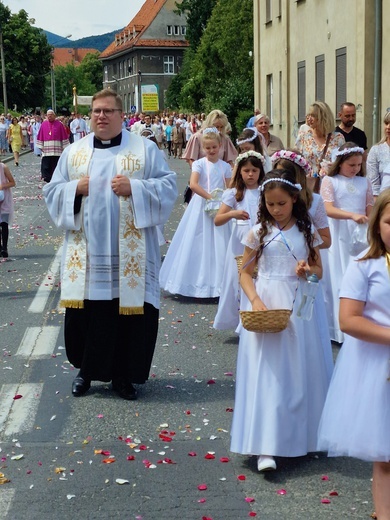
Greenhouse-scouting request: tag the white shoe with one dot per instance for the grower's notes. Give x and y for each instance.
(265, 463)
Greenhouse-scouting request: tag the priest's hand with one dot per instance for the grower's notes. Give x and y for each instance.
(121, 186)
(83, 186)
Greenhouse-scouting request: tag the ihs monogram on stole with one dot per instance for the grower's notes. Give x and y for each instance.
(130, 163)
(80, 158)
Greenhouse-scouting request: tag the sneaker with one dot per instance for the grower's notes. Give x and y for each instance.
(265, 463)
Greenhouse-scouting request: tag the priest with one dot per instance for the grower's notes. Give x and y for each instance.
(110, 191)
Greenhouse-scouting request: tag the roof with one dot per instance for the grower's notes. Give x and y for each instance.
(64, 55)
(131, 36)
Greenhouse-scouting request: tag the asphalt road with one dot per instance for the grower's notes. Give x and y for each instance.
(163, 457)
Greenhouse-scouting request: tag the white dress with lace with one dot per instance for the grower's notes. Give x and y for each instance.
(378, 167)
(282, 379)
(353, 194)
(228, 316)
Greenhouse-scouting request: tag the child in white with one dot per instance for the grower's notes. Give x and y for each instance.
(240, 204)
(195, 259)
(295, 163)
(356, 417)
(348, 199)
(281, 377)
(6, 207)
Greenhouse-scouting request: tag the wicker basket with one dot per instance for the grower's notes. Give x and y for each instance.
(239, 265)
(274, 320)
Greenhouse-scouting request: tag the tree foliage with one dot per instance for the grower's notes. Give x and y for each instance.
(218, 73)
(86, 77)
(27, 59)
(197, 12)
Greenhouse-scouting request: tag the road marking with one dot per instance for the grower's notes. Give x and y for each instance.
(38, 342)
(39, 302)
(6, 498)
(18, 415)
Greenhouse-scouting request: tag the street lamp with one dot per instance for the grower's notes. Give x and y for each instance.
(52, 76)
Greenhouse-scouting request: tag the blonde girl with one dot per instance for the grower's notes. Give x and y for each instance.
(195, 259)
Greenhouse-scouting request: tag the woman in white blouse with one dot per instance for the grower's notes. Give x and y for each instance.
(378, 161)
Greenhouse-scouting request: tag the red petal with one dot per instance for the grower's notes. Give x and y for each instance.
(106, 453)
(229, 409)
(211, 382)
(333, 494)
(209, 456)
(18, 396)
(130, 457)
(325, 501)
(143, 447)
(324, 477)
(206, 518)
(202, 500)
(192, 454)
(202, 487)
(241, 477)
(224, 459)
(165, 438)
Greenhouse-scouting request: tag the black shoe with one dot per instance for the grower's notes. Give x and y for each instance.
(80, 386)
(125, 390)
(4, 253)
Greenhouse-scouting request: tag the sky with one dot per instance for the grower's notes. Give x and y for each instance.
(80, 18)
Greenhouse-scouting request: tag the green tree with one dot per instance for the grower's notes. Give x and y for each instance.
(219, 73)
(92, 68)
(27, 59)
(68, 76)
(197, 13)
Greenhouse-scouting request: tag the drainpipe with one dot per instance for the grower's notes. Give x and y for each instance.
(377, 68)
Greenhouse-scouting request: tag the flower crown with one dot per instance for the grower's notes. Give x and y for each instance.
(248, 139)
(211, 130)
(246, 155)
(294, 157)
(347, 151)
(278, 179)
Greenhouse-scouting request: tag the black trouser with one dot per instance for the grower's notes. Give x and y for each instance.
(48, 165)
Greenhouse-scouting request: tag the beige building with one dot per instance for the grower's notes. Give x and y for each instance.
(307, 50)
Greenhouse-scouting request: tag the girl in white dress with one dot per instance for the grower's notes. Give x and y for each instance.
(195, 259)
(239, 205)
(348, 199)
(295, 163)
(281, 381)
(356, 416)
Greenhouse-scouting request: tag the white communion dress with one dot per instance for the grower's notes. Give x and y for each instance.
(282, 378)
(356, 416)
(228, 315)
(195, 259)
(352, 194)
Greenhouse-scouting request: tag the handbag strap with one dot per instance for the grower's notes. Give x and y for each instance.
(324, 150)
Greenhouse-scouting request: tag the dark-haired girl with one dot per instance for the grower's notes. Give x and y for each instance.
(281, 380)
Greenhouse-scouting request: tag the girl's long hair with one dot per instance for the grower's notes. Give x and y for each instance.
(299, 210)
(335, 166)
(377, 247)
(248, 133)
(238, 181)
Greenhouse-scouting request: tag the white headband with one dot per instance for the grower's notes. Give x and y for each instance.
(211, 130)
(278, 179)
(246, 155)
(248, 139)
(347, 151)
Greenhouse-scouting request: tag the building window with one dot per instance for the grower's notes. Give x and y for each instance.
(120, 70)
(270, 97)
(176, 30)
(268, 11)
(169, 30)
(183, 30)
(168, 64)
(279, 9)
(301, 91)
(341, 77)
(105, 73)
(320, 77)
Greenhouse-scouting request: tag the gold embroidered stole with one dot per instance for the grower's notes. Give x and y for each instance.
(130, 161)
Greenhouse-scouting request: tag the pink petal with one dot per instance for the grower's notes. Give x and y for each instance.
(324, 477)
(281, 492)
(202, 500)
(192, 454)
(224, 459)
(249, 499)
(325, 501)
(202, 487)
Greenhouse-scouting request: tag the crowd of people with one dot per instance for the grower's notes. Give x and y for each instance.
(263, 224)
